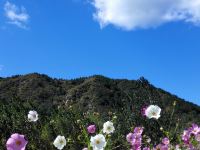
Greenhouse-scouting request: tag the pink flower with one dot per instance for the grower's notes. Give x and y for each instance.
(158, 147)
(136, 147)
(138, 130)
(91, 129)
(129, 137)
(191, 147)
(186, 136)
(165, 141)
(143, 111)
(16, 142)
(195, 129)
(135, 139)
(161, 147)
(197, 137)
(164, 147)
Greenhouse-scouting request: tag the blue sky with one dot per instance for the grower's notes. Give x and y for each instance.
(74, 38)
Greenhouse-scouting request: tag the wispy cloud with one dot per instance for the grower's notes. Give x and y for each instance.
(133, 14)
(16, 15)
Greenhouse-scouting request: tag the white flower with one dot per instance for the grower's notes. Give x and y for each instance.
(153, 111)
(98, 142)
(59, 142)
(148, 140)
(177, 147)
(108, 127)
(32, 116)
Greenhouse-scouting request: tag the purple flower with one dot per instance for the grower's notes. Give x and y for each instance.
(143, 111)
(136, 142)
(138, 130)
(197, 137)
(195, 129)
(91, 129)
(129, 137)
(191, 147)
(165, 141)
(137, 147)
(158, 147)
(135, 139)
(16, 142)
(186, 136)
(161, 147)
(146, 148)
(164, 147)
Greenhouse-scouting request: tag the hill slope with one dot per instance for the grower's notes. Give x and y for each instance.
(91, 94)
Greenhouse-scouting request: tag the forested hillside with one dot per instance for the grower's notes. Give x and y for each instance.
(60, 103)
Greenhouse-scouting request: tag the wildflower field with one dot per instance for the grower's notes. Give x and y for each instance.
(145, 125)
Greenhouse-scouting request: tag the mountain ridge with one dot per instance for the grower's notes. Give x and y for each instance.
(83, 79)
(54, 98)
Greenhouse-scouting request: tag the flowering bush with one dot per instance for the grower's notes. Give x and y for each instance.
(190, 137)
(91, 131)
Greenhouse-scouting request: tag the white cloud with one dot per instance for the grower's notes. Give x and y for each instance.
(16, 15)
(133, 14)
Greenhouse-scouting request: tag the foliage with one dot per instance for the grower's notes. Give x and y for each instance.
(67, 107)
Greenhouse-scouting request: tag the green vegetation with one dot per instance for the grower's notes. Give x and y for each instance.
(67, 107)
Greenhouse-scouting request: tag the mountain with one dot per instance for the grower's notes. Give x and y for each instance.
(21, 93)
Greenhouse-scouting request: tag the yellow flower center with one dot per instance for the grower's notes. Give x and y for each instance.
(61, 141)
(153, 114)
(18, 143)
(97, 142)
(108, 128)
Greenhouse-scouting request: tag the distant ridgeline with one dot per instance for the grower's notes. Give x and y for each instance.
(21, 93)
